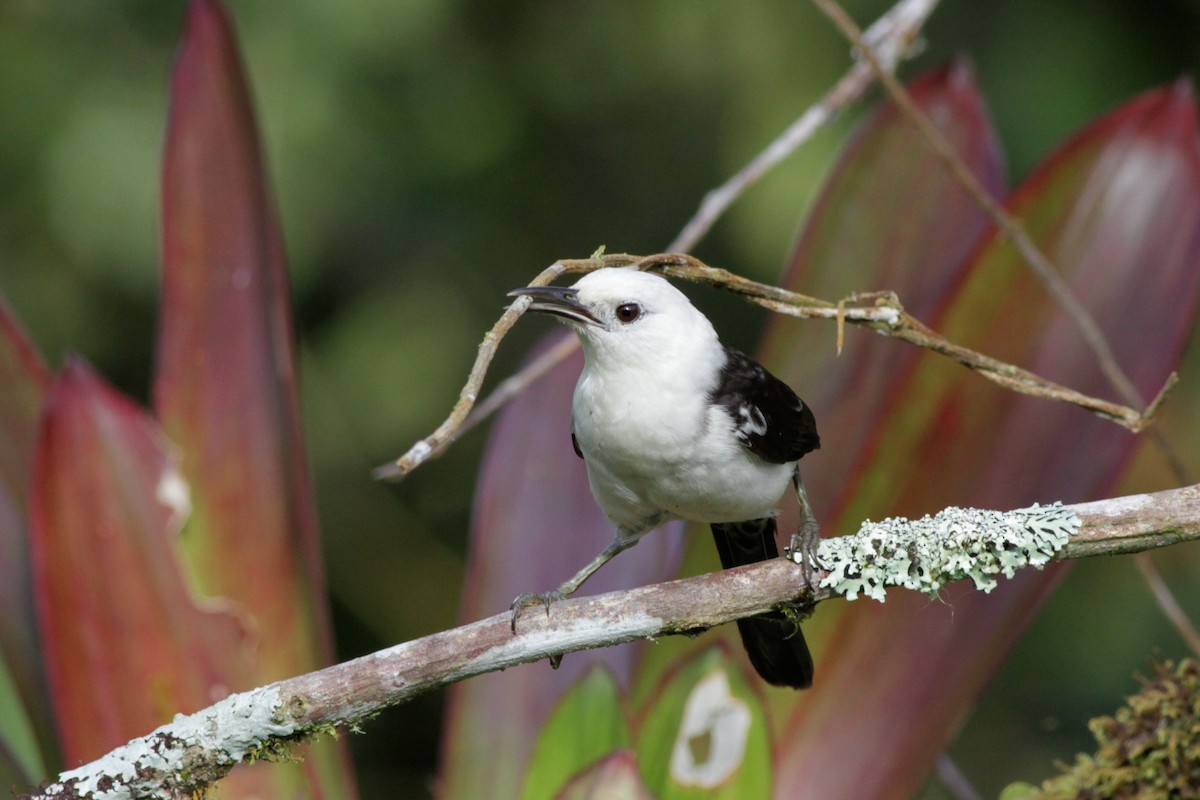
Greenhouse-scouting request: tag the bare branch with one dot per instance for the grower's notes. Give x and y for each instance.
(892, 35)
(1009, 225)
(199, 748)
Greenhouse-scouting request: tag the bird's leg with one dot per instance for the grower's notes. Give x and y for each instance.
(808, 535)
(568, 588)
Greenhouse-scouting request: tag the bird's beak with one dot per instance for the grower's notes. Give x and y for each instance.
(561, 301)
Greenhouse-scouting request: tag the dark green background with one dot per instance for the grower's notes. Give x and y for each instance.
(428, 156)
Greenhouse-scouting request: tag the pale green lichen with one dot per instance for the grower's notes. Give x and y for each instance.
(954, 544)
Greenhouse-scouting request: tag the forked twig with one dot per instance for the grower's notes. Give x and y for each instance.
(1012, 227)
(1014, 230)
(446, 433)
(892, 34)
(886, 315)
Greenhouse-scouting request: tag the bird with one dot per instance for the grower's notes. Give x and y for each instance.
(673, 424)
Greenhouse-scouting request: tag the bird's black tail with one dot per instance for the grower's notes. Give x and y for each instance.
(774, 643)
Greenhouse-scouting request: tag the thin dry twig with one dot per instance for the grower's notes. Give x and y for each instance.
(892, 34)
(1167, 602)
(954, 780)
(565, 344)
(449, 430)
(200, 748)
(886, 315)
(1012, 227)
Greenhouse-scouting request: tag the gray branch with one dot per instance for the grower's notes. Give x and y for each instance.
(200, 748)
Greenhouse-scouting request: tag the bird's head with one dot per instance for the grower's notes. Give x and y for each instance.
(624, 313)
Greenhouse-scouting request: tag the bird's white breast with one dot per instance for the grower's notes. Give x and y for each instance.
(655, 447)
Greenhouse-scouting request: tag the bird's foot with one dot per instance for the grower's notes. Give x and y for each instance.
(803, 548)
(529, 599)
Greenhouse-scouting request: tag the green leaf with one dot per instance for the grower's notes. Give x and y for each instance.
(1020, 791)
(587, 725)
(19, 751)
(705, 734)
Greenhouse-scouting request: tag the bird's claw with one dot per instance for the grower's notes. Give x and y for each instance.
(804, 544)
(528, 599)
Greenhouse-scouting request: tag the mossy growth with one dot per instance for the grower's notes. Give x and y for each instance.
(1148, 750)
(283, 749)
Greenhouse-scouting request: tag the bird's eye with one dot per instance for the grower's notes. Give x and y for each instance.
(628, 312)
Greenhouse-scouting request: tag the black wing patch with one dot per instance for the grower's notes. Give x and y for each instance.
(575, 443)
(770, 420)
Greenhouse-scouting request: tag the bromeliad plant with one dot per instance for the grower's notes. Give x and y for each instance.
(123, 531)
(906, 432)
(152, 562)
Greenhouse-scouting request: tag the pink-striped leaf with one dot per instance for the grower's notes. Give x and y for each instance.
(224, 387)
(891, 218)
(127, 643)
(225, 383)
(1117, 209)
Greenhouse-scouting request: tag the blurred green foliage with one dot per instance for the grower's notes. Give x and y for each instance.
(428, 156)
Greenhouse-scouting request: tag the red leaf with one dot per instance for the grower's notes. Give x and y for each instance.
(892, 218)
(115, 610)
(535, 524)
(25, 381)
(225, 386)
(225, 373)
(1117, 210)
